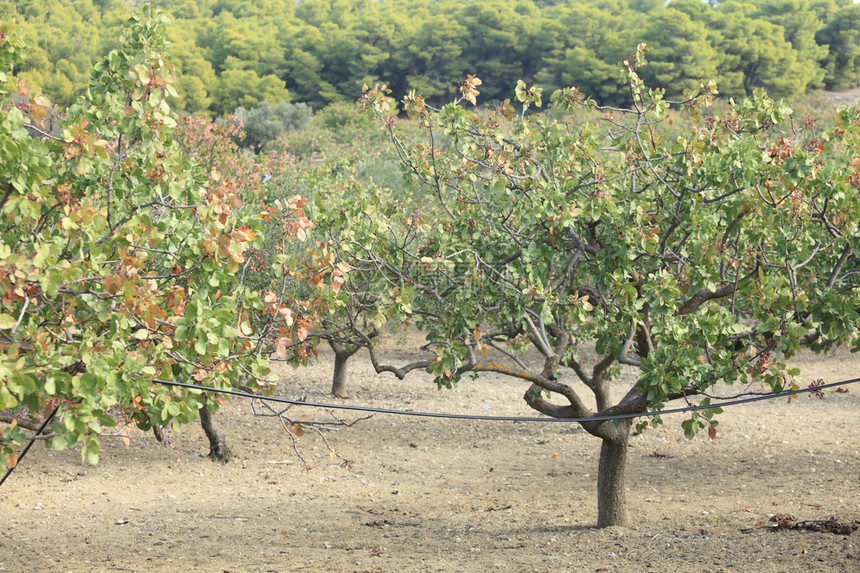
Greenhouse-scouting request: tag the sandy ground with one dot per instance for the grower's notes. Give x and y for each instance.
(850, 97)
(443, 495)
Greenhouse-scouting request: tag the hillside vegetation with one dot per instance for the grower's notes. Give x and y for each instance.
(229, 54)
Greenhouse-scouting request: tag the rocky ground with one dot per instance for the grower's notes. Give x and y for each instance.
(446, 495)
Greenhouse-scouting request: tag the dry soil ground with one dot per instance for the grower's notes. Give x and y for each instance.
(443, 495)
(850, 97)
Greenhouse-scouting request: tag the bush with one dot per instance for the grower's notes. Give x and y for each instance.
(265, 123)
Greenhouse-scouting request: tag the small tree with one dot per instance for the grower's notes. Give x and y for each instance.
(697, 258)
(265, 123)
(231, 172)
(119, 263)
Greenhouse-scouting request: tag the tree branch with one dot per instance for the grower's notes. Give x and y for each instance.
(694, 302)
(623, 356)
(32, 425)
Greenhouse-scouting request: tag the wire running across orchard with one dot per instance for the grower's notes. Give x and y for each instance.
(372, 410)
(26, 449)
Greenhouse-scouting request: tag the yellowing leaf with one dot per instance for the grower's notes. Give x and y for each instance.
(304, 329)
(468, 89)
(123, 435)
(142, 73)
(287, 314)
(336, 283)
(7, 321)
(297, 430)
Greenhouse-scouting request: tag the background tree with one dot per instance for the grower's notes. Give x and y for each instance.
(842, 35)
(195, 76)
(755, 55)
(681, 53)
(800, 22)
(499, 41)
(343, 160)
(384, 33)
(694, 260)
(231, 91)
(323, 51)
(590, 39)
(66, 38)
(437, 54)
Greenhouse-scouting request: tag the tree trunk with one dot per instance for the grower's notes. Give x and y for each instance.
(158, 433)
(611, 494)
(340, 378)
(218, 450)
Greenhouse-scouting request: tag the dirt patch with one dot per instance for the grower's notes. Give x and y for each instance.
(849, 97)
(442, 495)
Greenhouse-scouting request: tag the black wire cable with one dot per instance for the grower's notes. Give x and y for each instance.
(241, 394)
(30, 443)
(506, 418)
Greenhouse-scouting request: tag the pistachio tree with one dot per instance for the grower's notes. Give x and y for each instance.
(122, 262)
(695, 256)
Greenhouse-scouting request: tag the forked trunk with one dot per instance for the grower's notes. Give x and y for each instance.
(218, 449)
(611, 494)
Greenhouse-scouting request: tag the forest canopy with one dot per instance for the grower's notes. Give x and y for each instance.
(241, 53)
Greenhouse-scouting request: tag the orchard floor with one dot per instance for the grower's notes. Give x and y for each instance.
(447, 495)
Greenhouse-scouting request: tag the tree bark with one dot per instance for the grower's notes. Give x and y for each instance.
(611, 493)
(158, 433)
(602, 394)
(218, 450)
(340, 378)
